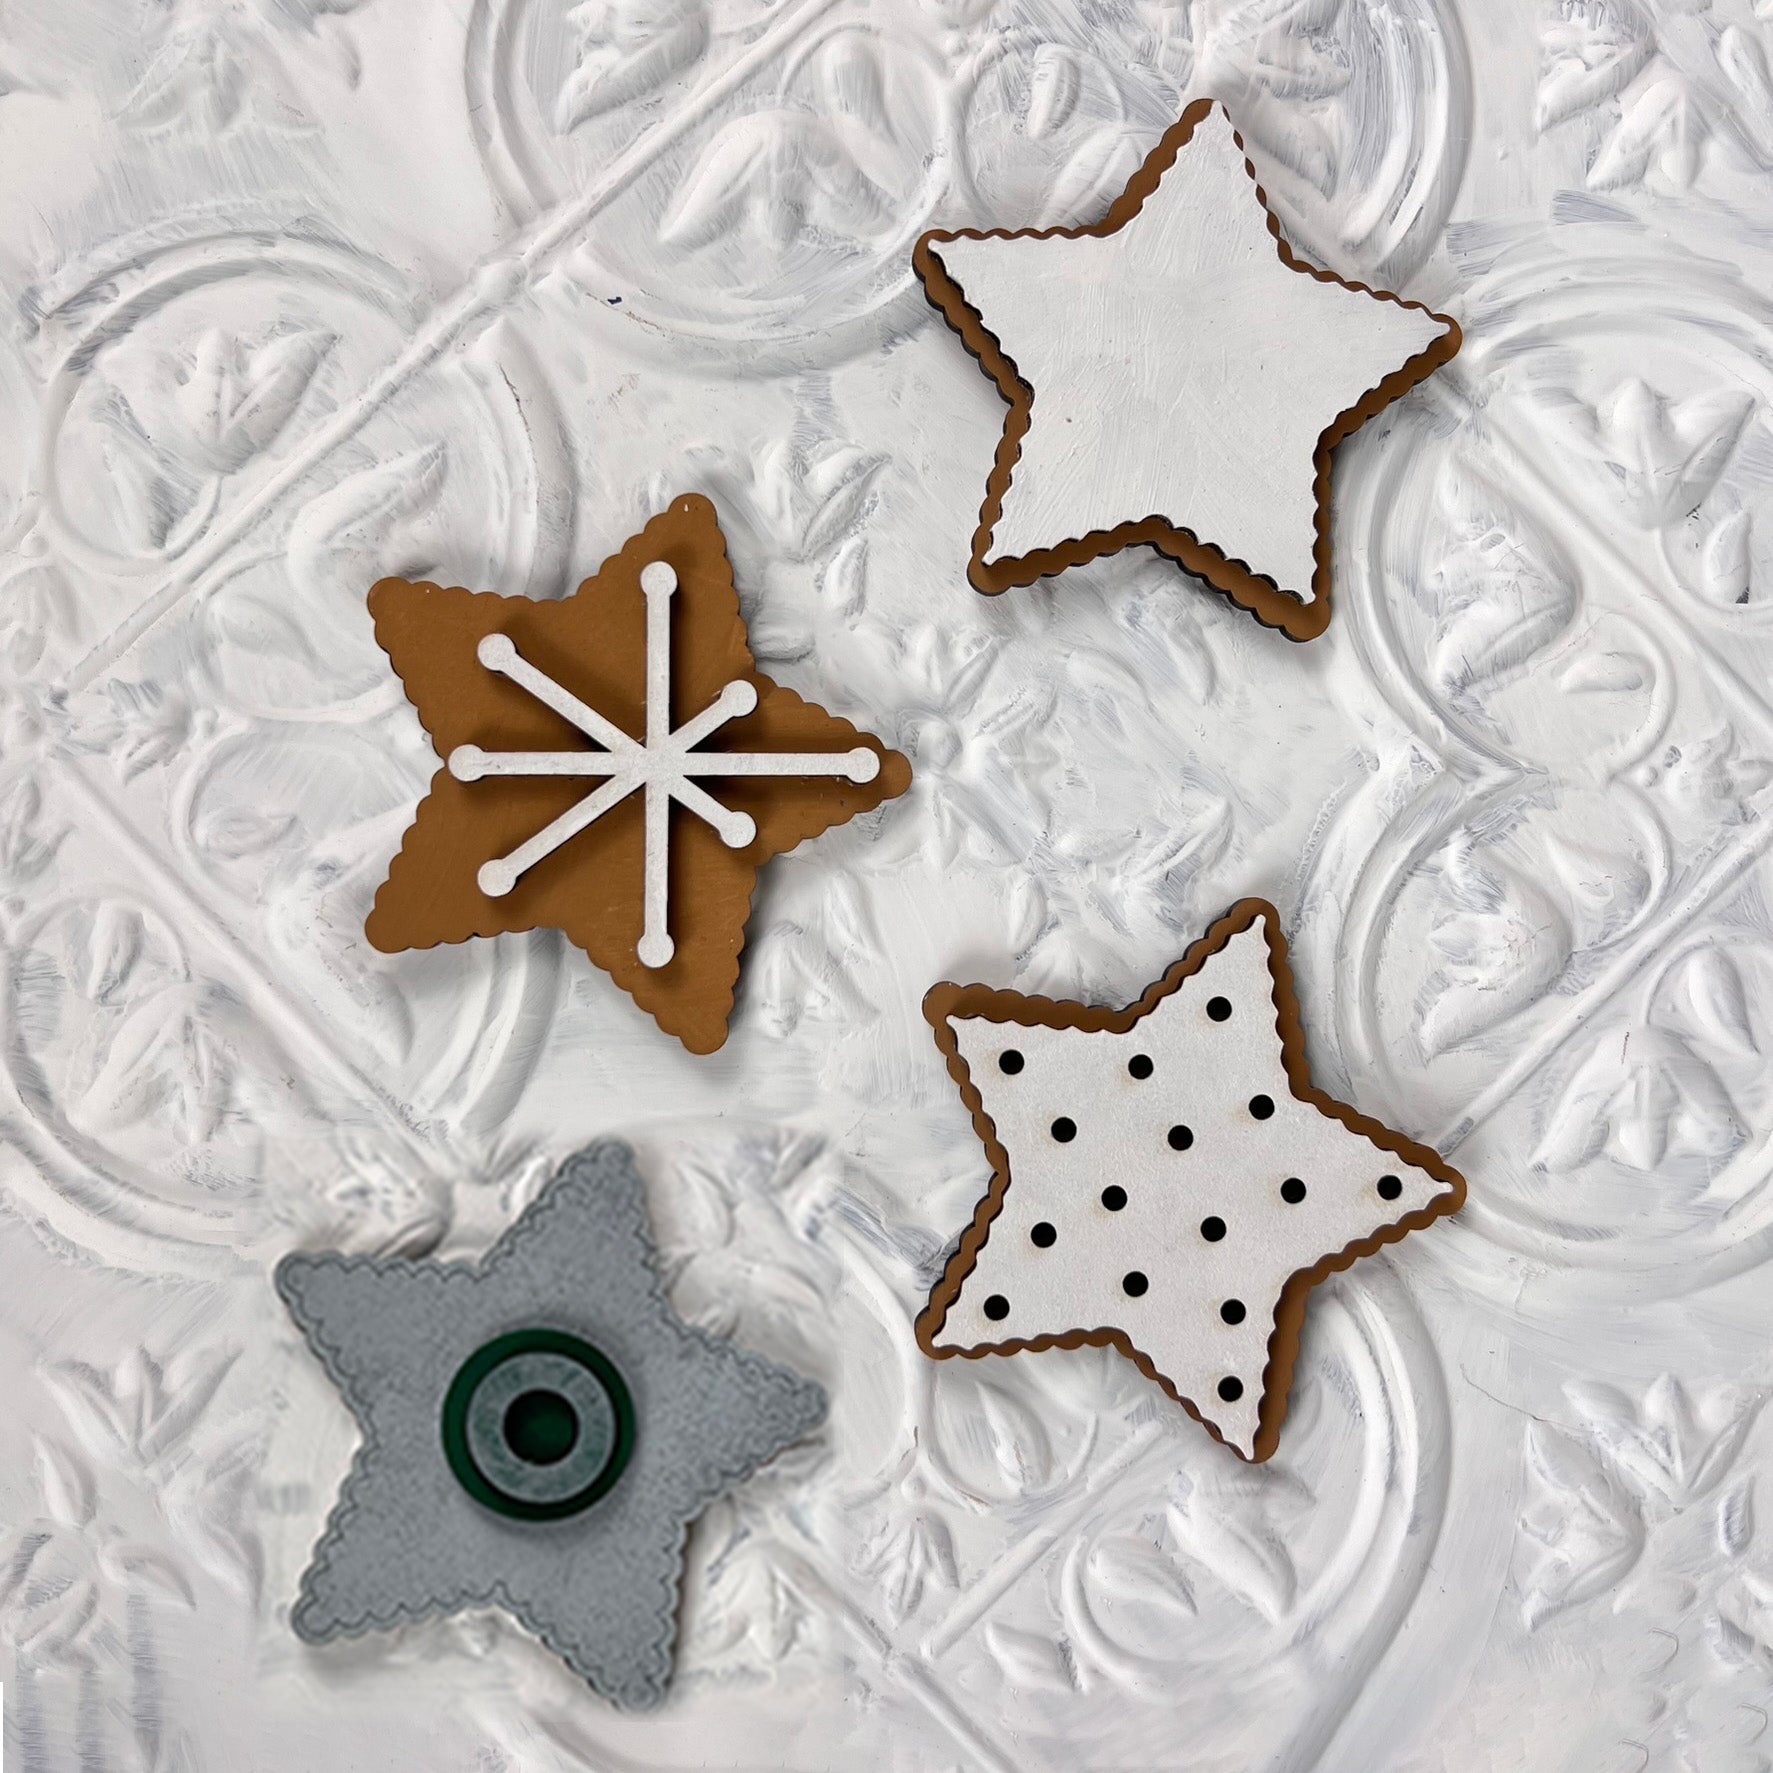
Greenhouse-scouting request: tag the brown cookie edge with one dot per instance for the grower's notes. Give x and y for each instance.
(703, 1024)
(946, 999)
(1252, 591)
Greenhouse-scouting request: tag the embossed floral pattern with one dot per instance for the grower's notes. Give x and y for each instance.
(1658, 87)
(310, 292)
(215, 63)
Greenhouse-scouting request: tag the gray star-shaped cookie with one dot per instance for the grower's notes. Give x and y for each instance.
(539, 1429)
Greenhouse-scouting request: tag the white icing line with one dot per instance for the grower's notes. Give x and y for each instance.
(497, 878)
(498, 652)
(662, 765)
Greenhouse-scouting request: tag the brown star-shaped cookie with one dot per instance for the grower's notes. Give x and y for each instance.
(1166, 1180)
(1177, 377)
(576, 736)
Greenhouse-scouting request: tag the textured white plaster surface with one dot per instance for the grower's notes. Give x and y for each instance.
(305, 292)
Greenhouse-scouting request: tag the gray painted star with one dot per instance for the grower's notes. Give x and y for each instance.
(539, 1429)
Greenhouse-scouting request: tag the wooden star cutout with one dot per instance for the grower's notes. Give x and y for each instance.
(1177, 376)
(1166, 1180)
(577, 736)
(539, 1430)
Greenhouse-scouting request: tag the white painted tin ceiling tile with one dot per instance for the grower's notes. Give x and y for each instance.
(1512, 804)
(171, 1110)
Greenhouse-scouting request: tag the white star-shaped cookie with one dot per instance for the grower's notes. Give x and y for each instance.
(1177, 376)
(1166, 1180)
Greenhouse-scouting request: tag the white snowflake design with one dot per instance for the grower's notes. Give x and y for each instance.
(662, 764)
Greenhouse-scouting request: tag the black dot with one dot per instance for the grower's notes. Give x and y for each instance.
(1292, 1191)
(1114, 1197)
(1043, 1236)
(1133, 1284)
(1212, 1229)
(1064, 1129)
(997, 1307)
(1010, 1062)
(541, 1427)
(1262, 1106)
(1140, 1065)
(1219, 1008)
(1390, 1187)
(1231, 1389)
(1232, 1311)
(1181, 1138)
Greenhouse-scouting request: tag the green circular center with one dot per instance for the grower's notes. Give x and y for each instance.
(540, 1427)
(537, 1425)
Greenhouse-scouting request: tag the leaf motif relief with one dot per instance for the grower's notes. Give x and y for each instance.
(1663, 455)
(27, 847)
(836, 493)
(1605, 887)
(163, 1058)
(1703, 995)
(139, 726)
(233, 402)
(1095, 173)
(1033, 1661)
(355, 532)
(1055, 83)
(1726, 562)
(146, 1566)
(70, 1494)
(153, 493)
(160, 1054)
(1659, 107)
(1665, 128)
(214, 1505)
(214, 71)
(1128, 1570)
(801, 176)
(986, 1440)
(1235, 1531)
(1736, 1518)
(1504, 588)
(1662, 1447)
(117, 937)
(1590, 1531)
(809, 498)
(49, 1597)
(752, 1603)
(227, 61)
(843, 584)
(913, 1556)
(1743, 1625)
(628, 48)
(1744, 63)
(776, 174)
(139, 1412)
(1279, 64)
(1712, 780)
(1589, 53)
(808, 970)
(1501, 948)
(1283, 48)
(1644, 1099)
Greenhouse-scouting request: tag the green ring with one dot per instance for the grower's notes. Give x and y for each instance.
(461, 1394)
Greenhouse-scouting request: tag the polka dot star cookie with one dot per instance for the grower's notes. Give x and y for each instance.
(1166, 1179)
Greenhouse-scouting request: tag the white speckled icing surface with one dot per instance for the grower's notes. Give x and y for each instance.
(307, 292)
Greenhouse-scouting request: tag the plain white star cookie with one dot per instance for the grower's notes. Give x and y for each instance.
(1177, 376)
(1166, 1180)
